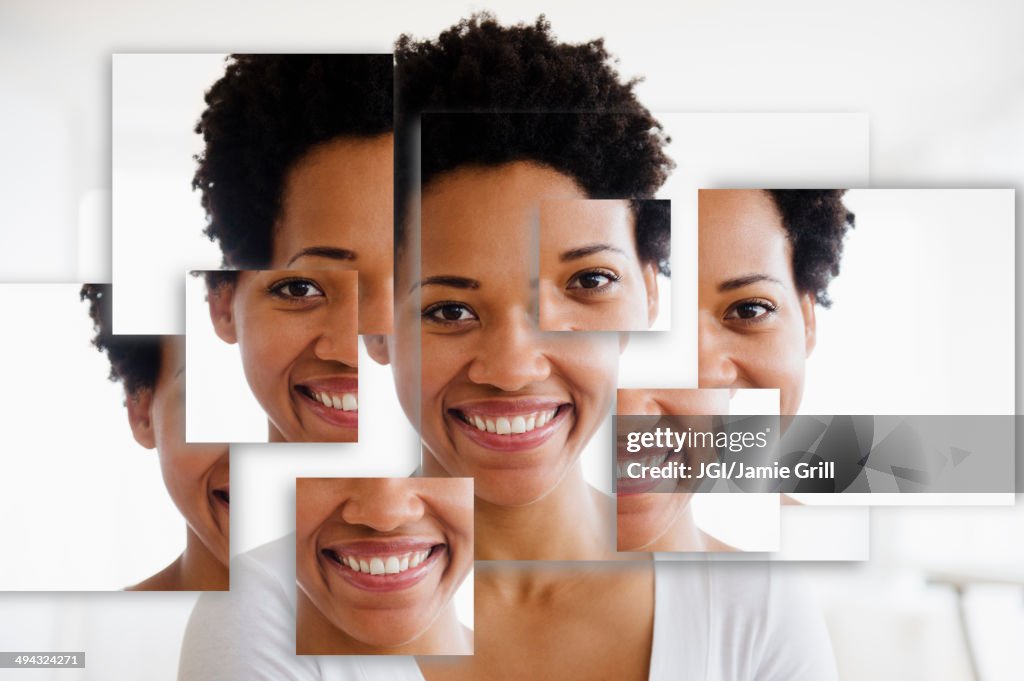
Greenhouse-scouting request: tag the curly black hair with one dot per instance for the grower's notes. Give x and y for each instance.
(486, 94)
(816, 222)
(134, 360)
(262, 116)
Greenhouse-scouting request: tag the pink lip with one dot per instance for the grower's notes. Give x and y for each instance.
(384, 583)
(513, 407)
(515, 442)
(332, 384)
(226, 503)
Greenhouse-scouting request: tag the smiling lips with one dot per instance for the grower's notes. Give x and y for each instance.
(510, 426)
(333, 399)
(384, 567)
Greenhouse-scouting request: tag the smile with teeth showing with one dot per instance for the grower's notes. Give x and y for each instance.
(389, 564)
(339, 401)
(513, 424)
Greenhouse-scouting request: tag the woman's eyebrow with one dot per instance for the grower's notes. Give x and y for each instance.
(447, 280)
(746, 280)
(325, 252)
(584, 251)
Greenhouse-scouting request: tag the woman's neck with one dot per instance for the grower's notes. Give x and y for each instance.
(196, 569)
(573, 521)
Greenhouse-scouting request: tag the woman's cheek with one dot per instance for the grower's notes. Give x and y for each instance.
(779, 363)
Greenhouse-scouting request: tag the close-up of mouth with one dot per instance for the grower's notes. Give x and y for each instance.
(626, 485)
(222, 495)
(510, 426)
(335, 401)
(374, 566)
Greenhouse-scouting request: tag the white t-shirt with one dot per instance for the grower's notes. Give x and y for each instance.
(712, 621)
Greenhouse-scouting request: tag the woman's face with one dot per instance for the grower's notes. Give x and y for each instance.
(591, 278)
(646, 520)
(296, 330)
(755, 328)
(499, 400)
(381, 557)
(196, 475)
(336, 213)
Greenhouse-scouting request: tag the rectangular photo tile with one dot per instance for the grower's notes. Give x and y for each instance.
(98, 481)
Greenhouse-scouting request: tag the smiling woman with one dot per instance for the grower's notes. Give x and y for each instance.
(151, 369)
(296, 331)
(495, 397)
(766, 258)
(378, 561)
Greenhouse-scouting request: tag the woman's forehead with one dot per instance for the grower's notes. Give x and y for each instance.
(740, 234)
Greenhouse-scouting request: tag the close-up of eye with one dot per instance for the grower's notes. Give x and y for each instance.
(751, 310)
(592, 281)
(449, 313)
(296, 289)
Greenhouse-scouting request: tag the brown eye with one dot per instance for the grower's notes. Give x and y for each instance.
(592, 280)
(294, 289)
(750, 310)
(449, 313)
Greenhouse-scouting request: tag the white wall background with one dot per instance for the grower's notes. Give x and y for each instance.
(940, 82)
(82, 505)
(922, 318)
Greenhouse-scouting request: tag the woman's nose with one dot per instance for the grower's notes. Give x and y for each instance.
(510, 355)
(716, 364)
(337, 338)
(375, 306)
(383, 504)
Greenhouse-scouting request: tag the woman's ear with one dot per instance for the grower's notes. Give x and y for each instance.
(650, 271)
(221, 299)
(140, 417)
(810, 324)
(377, 348)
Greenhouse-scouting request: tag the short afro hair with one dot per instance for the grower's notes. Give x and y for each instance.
(486, 94)
(262, 116)
(134, 360)
(816, 222)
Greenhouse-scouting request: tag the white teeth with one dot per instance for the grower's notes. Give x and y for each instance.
(385, 565)
(512, 425)
(340, 401)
